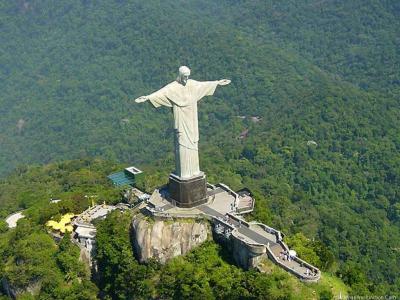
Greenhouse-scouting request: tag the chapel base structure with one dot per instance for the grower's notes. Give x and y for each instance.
(187, 193)
(251, 243)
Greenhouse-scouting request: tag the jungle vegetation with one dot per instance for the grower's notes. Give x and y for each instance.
(32, 262)
(309, 123)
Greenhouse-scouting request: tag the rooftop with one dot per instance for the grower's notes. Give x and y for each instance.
(121, 178)
(64, 224)
(93, 213)
(125, 177)
(85, 232)
(133, 170)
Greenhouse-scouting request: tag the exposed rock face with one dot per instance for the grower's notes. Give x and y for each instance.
(163, 240)
(13, 292)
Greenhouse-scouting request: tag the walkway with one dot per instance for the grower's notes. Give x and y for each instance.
(246, 231)
(222, 207)
(13, 219)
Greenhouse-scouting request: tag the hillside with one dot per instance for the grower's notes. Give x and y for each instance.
(354, 40)
(68, 72)
(317, 71)
(30, 258)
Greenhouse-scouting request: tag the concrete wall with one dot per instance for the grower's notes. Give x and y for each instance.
(245, 255)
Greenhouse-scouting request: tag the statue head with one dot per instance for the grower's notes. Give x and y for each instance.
(184, 73)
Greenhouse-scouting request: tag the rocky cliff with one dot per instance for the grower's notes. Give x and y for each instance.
(163, 240)
(33, 287)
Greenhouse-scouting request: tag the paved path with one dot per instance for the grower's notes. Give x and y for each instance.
(247, 232)
(260, 238)
(13, 219)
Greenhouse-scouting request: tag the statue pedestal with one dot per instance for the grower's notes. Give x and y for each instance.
(187, 192)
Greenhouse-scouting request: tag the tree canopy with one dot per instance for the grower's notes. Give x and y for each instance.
(301, 71)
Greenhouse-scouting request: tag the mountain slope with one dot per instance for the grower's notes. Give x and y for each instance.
(69, 70)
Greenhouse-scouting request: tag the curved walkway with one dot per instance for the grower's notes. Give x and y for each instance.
(12, 219)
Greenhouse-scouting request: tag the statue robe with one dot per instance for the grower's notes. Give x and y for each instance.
(183, 100)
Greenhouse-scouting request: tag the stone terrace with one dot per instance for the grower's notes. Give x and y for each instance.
(223, 209)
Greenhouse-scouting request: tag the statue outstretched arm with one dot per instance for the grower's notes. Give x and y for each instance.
(224, 82)
(158, 98)
(207, 88)
(141, 99)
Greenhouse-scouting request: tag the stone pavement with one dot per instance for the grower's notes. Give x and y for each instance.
(12, 220)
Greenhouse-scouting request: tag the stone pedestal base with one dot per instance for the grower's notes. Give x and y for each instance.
(189, 192)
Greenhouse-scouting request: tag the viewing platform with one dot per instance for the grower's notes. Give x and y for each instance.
(249, 241)
(84, 232)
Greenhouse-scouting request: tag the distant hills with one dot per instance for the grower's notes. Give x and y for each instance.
(312, 70)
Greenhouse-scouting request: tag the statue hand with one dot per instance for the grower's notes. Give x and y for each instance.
(141, 99)
(224, 82)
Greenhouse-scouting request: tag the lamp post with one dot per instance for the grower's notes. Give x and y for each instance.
(90, 197)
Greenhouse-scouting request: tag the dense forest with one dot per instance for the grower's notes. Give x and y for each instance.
(322, 77)
(30, 258)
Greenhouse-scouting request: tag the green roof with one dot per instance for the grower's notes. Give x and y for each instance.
(121, 178)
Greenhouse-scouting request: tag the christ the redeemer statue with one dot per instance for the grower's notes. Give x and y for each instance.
(182, 95)
(187, 186)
